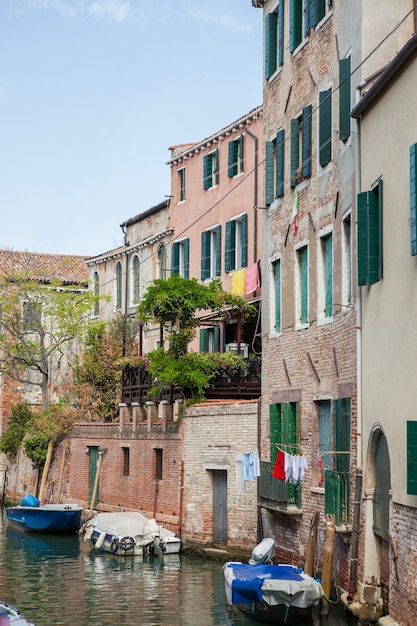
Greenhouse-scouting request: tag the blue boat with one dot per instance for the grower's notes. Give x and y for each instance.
(51, 518)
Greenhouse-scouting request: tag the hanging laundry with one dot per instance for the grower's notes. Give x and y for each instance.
(240, 481)
(238, 282)
(279, 468)
(248, 471)
(252, 278)
(256, 464)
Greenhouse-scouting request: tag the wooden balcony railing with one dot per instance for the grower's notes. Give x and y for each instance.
(277, 494)
(229, 384)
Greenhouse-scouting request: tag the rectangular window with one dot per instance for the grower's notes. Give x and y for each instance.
(31, 315)
(274, 40)
(413, 199)
(158, 463)
(274, 169)
(118, 285)
(370, 235)
(236, 244)
(211, 169)
(302, 291)
(325, 127)
(347, 261)
(126, 461)
(337, 475)
(325, 296)
(276, 272)
(235, 157)
(180, 261)
(285, 434)
(301, 144)
(181, 174)
(210, 339)
(211, 253)
(344, 98)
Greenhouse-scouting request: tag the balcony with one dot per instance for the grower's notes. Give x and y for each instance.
(278, 495)
(229, 384)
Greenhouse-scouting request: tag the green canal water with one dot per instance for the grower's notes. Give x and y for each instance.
(57, 579)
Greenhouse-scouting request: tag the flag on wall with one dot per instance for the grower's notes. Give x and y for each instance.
(294, 217)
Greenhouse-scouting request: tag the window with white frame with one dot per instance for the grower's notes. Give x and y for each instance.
(211, 253)
(236, 243)
(181, 175)
(347, 260)
(235, 157)
(118, 285)
(301, 286)
(325, 276)
(135, 279)
(180, 257)
(211, 169)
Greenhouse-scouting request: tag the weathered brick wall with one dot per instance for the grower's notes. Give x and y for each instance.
(213, 434)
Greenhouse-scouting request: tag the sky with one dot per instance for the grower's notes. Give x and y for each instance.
(92, 95)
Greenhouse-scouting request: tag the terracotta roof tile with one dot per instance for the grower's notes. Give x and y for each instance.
(66, 268)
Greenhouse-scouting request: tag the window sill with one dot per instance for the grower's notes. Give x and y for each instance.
(319, 490)
(325, 320)
(344, 529)
(291, 511)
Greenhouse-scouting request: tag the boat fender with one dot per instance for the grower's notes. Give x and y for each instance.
(114, 546)
(100, 540)
(127, 543)
(88, 533)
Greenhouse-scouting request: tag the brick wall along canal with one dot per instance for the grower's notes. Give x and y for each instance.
(55, 579)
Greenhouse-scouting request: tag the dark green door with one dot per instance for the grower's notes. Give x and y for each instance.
(382, 489)
(92, 469)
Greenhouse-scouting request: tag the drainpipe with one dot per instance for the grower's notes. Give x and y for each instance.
(357, 161)
(255, 197)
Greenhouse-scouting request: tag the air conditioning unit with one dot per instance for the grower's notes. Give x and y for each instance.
(233, 347)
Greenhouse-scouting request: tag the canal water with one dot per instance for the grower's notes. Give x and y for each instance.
(59, 580)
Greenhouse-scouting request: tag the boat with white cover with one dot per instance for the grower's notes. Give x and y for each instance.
(129, 533)
(272, 594)
(10, 615)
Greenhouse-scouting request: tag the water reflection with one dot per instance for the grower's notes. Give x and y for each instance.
(60, 580)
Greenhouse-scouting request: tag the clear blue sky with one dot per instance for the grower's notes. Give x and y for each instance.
(92, 94)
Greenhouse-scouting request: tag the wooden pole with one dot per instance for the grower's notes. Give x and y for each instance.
(99, 460)
(312, 542)
(61, 475)
(45, 472)
(328, 563)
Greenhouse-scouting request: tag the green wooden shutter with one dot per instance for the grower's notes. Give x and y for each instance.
(207, 171)
(280, 161)
(413, 199)
(186, 245)
(270, 44)
(232, 159)
(281, 33)
(269, 172)
(277, 285)
(175, 258)
(216, 167)
(341, 416)
(119, 286)
(204, 339)
(344, 99)
(205, 254)
(218, 247)
(296, 23)
(325, 127)
(244, 242)
(369, 244)
(295, 151)
(333, 490)
(317, 11)
(216, 339)
(274, 430)
(229, 252)
(304, 285)
(328, 275)
(306, 133)
(412, 458)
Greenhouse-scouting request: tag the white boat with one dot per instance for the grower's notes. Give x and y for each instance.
(273, 594)
(10, 615)
(130, 533)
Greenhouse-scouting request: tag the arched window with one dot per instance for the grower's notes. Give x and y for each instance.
(162, 262)
(96, 293)
(135, 280)
(119, 285)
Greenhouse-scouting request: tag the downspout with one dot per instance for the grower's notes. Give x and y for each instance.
(255, 197)
(359, 442)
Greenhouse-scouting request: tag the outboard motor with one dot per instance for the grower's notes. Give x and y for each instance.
(263, 552)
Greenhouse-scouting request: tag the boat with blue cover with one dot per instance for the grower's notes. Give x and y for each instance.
(31, 516)
(272, 594)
